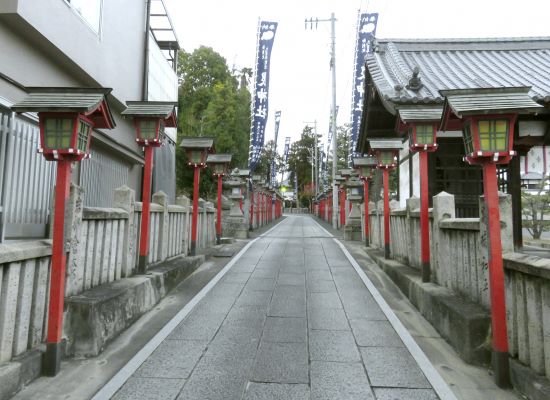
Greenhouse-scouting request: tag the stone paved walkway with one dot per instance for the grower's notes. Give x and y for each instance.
(290, 320)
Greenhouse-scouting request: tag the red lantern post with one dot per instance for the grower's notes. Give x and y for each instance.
(220, 165)
(487, 118)
(66, 117)
(421, 124)
(150, 120)
(365, 166)
(386, 151)
(197, 149)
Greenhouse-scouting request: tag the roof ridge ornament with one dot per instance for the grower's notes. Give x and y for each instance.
(415, 82)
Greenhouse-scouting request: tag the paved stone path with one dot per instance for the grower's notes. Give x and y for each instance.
(290, 320)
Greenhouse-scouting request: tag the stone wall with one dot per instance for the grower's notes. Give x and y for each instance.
(102, 246)
(459, 254)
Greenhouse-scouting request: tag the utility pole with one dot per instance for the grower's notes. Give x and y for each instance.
(315, 165)
(332, 21)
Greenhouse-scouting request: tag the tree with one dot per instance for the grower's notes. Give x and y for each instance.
(300, 158)
(534, 207)
(267, 155)
(212, 102)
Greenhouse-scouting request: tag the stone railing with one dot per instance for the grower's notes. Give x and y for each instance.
(102, 246)
(459, 255)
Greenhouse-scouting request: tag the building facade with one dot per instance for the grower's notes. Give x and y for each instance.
(402, 73)
(80, 43)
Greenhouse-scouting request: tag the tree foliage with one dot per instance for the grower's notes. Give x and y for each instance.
(535, 206)
(213, 101)
(267, 155)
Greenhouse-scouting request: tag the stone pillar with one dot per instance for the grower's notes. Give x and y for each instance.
(235, 224)
(74, 241)
(443, 208)
(352, 229)
(183, 201)
(125, 198)
(413, 204)
(161, 199)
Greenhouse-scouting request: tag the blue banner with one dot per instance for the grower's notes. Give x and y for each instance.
(266, 36)
(366, 31)
(287, 149)
(273, 172)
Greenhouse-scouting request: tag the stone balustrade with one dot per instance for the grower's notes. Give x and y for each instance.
(459, 253)
(102, 246)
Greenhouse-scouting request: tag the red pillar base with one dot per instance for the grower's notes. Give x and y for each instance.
(426, 272)
(193, 248)
(142, 265)
(501, 369)
(218, 239)
(387, 251)
(51, 360)
(367, 241)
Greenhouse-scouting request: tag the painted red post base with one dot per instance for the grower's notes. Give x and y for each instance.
(219, 216)
(145, 211)
(424, 218)
(366, 199)
(386, 178)
(52, 358)
(195, 217)
(500, 358)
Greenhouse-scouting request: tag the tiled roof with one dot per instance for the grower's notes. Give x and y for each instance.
(61, 99)
(420, 113)
(457, 64)
(218, 158)
(161, 109)
(364, 161)
(197, 142)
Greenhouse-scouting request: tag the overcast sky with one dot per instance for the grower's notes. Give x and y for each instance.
(300, 84)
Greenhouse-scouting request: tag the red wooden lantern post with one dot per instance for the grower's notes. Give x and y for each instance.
(197, 149)
(253, 195)
(386, 151)
(488, 118)
(220, 165)
(365, 166)
(150, 119)
(67, 117)
(421, 124)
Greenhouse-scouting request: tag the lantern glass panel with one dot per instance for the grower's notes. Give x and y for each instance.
(386, 157)
(162, 132)
(468, 139)
(424, 134)
(58, 133)
(83, 136)
(195, 156)
(493, 135)
(148, 129)
(219, 169)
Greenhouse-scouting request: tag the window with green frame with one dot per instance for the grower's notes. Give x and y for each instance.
(493, 134)
(148, 129)
(58, 132)
(196, 156)
(83, 136)
(424, 134)
(468, 140)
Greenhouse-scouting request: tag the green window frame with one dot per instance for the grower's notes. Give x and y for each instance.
(148, 129)
(493, 134)
(468, 139)
(83, 136)
(58, 133)
(424, 134)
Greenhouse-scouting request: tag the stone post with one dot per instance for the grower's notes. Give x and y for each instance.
(125, 198)
(506, 235)
(161, 199)
(183, 201)
(352, 229)
(443, 208)
(74, 241)
(413, 204)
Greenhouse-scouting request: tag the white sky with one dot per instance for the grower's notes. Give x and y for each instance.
(300, 78)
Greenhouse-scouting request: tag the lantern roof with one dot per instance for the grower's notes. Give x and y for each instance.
(244, 172)
(346, 172)
(421, 113)
(153, 109)
(364, 161)
(219, 158)
(385, 144)
(198, 142)
(256, 178)
(504, 100)
(92, 102)
(339, 178)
